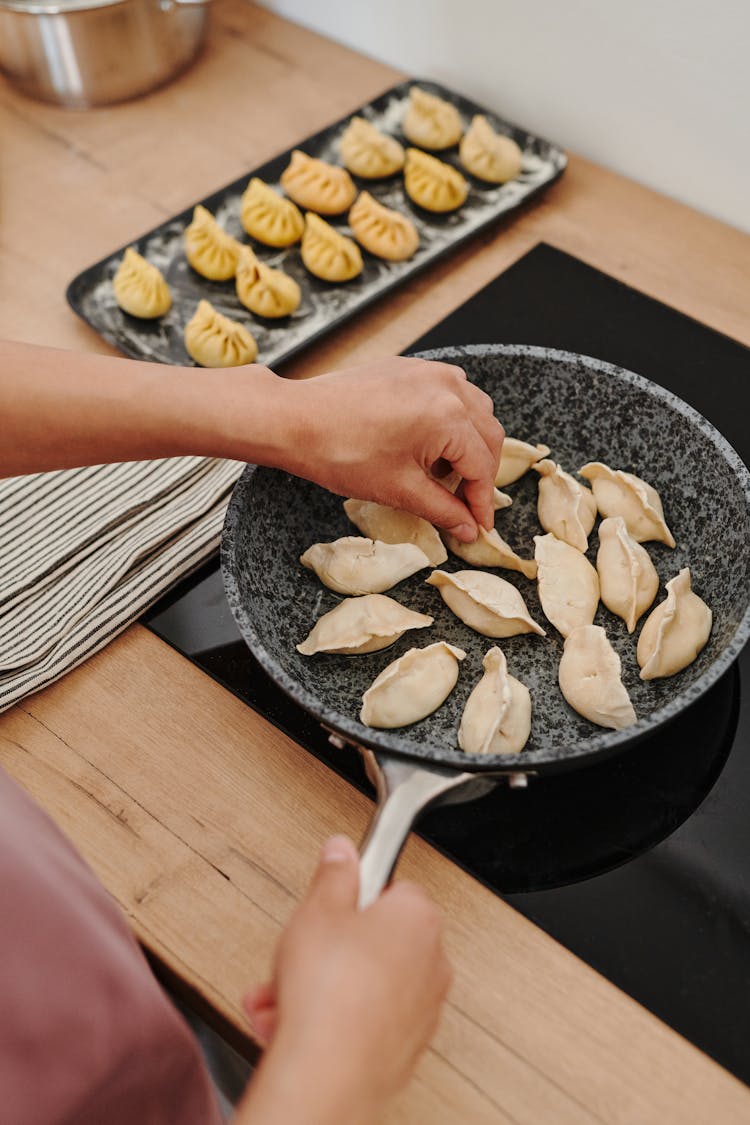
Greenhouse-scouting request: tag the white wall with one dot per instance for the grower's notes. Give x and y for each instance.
(656, 89)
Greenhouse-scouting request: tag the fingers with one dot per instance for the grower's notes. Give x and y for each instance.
(477, 463)
(430, 500)
(260, 1007)
(335, 885)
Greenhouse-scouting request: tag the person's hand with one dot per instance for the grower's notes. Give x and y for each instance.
(355, 998)
(383, 430)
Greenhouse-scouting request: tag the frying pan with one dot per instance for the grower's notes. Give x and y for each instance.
(585, 410)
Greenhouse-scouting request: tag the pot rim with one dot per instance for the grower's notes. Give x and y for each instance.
(69, 7)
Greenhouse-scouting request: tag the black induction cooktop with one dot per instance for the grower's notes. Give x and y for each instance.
(640, 865)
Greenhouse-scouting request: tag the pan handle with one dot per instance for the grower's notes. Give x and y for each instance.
(403, 790)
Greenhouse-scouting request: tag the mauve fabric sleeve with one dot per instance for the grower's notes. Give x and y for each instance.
(86, 1035)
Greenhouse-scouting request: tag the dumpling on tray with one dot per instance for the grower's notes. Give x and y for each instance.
(369, 153)
(497, 715)
(589, 677)
(327, 253)
(353, 565)
(318, 186)
(384, 232)
(140, 288)
(269, 217)
(412, 687)
(213, 340)
(488, 155)
(210, 250)
(362, 625)
(433, 184)
(485, 602)
(265, 291)
(390, 525)
(627, 577)
(622, 494)
(430, 121)
(675, 632)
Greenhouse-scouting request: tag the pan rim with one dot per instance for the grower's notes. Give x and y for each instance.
(603, 743)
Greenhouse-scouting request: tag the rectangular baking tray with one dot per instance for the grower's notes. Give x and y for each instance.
(324, 305)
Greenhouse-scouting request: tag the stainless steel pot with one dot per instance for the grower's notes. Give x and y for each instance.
(83, 53)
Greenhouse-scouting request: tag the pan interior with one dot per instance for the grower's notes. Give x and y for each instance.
(584, 410)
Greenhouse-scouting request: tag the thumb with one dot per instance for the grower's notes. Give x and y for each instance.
(335, 884)
(434, 502)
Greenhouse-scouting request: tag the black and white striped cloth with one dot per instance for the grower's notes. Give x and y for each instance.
(83, 552)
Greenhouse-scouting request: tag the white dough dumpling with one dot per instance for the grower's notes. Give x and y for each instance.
(497, 715)
(627, 577)
(589, 677)
(390, 525)
(675, 632)
(566, 508)
(431, 122)
(516, 459)
(488, 155)
(622, 494)
(352, 565)
(489, 549)
(485, 602)
(568, 584)
(411, 687)
(361, 625)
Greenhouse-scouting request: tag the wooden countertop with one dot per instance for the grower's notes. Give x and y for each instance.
(201, 818)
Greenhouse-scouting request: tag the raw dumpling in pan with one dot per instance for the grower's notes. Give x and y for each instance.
(500, 499)
(369, 153)
(352, 565)
(385, 233)
(268, 217)
(265, 291)
(675, 632)
(318, 186)
(360, 625)
(488, 155)
(516, 459)
(497, 715)
(622, 494)
(566, 508)
(589, 677)
(431, 122)
(140, 288)
(485, 602)
(489, 549)
(411, 687)
(433, 184)
(390, 525)
(627, 577)
(213, 340)
(568, 584)
(327, 254)
(210, 250)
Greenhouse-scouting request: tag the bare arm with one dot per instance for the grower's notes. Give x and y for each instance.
(374, 432)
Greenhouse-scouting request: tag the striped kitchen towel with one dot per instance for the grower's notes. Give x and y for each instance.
(83, 552)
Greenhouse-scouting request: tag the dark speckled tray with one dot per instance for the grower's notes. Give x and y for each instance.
(323, 305)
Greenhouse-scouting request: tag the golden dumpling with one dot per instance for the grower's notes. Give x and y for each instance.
(265, 291)
(369, 153)
(432, 184)
(210, 250)
(268, 217)
(318, 186)
(488, 155)
(385, 233)
(213, 340)
(140, 288)
(430, 121)
(327, 254)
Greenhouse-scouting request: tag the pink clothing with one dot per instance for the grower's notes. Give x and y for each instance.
(86, 1035)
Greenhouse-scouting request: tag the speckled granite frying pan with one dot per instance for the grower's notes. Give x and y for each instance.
(584, 410)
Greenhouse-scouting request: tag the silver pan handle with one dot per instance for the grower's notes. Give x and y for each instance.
(403, 790)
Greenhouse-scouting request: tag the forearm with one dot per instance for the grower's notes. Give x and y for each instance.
(61, 409)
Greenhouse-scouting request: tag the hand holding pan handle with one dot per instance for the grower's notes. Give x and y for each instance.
(403, 790)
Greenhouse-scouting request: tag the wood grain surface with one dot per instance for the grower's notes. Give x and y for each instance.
(202, 819)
